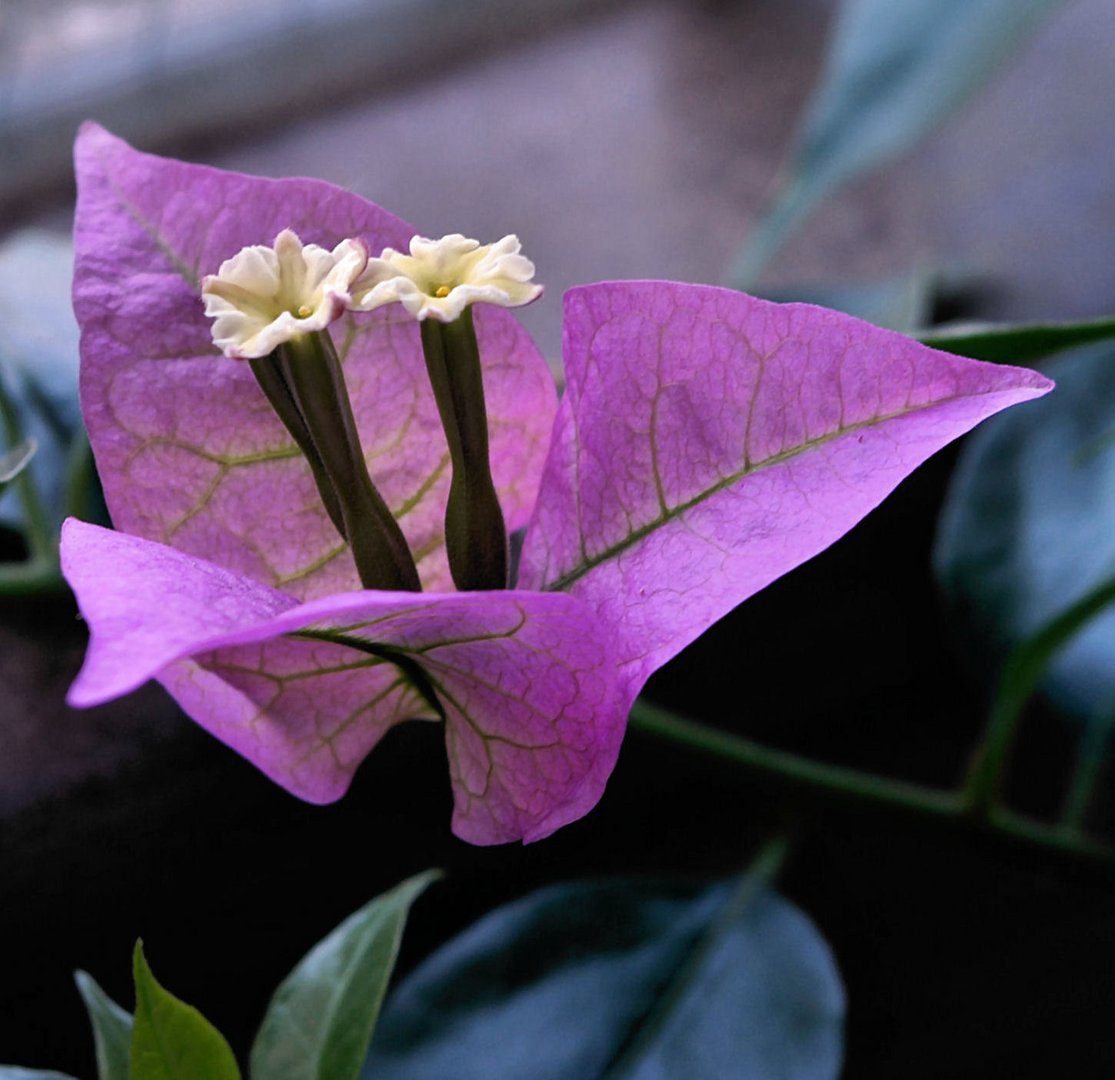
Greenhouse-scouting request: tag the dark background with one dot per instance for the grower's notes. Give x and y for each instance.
(637, 143)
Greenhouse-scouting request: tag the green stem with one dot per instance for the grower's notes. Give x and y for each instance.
(15, 459)
(834, 782)
(1089, 758)
(41, 572)
(79, 477)
(1056, 838)
(475, 533)
(794, 771)
(38, 575)
(311, 370)
(1021, 674)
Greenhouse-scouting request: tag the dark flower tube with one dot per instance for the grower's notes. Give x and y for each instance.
(271, 306)
(311, 369)
(437, 282)
(475, 534)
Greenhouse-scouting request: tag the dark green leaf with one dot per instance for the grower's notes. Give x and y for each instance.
(112, 1029)
(1021, 674)
(172, 1040)
(1019, 344)
(321, 1018)
(1028, 531)
(893, 71)
(618, 979)
(14, 461)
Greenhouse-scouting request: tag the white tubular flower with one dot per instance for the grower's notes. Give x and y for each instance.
(267, 295)
(440, 278)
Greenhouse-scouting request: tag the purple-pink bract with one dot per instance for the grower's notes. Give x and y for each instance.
(707, 443)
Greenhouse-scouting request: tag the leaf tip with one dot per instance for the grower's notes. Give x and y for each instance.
(140, 967)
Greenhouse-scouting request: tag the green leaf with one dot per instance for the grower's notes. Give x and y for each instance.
(14, 1072)
(1021, 674)
(1018, 344)
(893, 71)
(321, 1018)
(172, 1040)
(621, 978)
(112, 1029)
(1028, 531)
(14, 461)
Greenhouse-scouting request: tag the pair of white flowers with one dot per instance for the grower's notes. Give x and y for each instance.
(265, 296)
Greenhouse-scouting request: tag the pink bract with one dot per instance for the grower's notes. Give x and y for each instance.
(161, 403)
(707, 443)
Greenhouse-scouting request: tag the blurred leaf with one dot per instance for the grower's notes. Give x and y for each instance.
(572, 980)
(14, 461)
(321, 1018)
(1020, 343)
(902, 303)
(894, 68)
(1028, 531)
(14, 1072)
(39, 360)
(172, 1040)
(1021, 674)
(112, 1029)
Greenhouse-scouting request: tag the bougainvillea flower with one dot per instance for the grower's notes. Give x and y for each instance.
(440, 278)
(264, 296)
(707, 443)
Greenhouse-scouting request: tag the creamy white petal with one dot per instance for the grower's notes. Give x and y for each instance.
(264, 296)
(438, 279)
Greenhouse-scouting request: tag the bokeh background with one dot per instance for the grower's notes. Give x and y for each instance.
(619, 140)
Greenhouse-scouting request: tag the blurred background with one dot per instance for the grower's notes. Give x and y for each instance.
(619, 140)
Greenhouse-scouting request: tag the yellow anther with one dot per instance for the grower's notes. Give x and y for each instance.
(305, 311)
(442, 292)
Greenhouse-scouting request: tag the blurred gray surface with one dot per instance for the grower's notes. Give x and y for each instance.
(166, 70)
(643, 143)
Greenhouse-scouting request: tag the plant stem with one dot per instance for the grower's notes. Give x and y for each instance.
(1089, 758)
(795, 771)
(79, 477)
(38, 575)
(835, 782)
